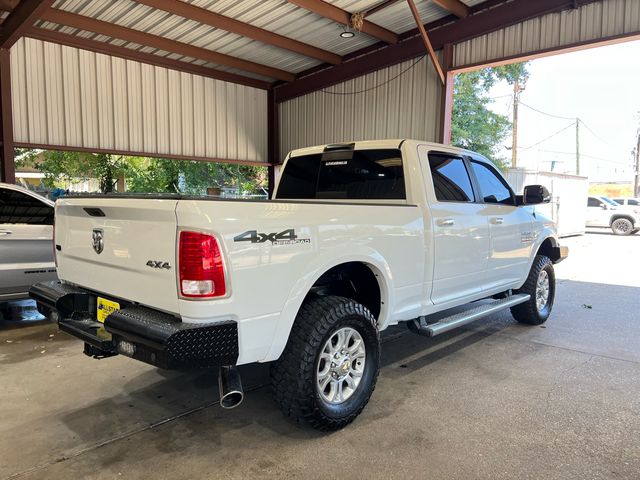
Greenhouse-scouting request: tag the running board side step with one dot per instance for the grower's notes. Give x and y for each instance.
(421, 327)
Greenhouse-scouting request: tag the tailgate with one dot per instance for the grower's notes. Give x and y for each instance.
(121, 247)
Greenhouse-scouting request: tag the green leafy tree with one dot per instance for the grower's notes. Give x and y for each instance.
(153, 175)
(72, 166)
(198, 176)
(474, 126)
(512, 73)
(145, 175)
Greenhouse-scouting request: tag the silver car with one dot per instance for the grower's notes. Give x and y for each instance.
(26, 241)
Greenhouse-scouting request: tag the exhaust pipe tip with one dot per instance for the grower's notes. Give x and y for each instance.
(230, 386)
(231, 399)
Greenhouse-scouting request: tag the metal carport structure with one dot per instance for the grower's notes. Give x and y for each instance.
(244, 81)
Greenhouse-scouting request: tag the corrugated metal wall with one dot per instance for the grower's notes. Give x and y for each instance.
(68, 97)
(406, 104)
(594, 21)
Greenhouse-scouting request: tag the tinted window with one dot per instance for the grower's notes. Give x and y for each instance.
(349, 175)
(630, 201)
(494, 188)
(17, 207)
(300, 177)
(593, 202)
(450, 179)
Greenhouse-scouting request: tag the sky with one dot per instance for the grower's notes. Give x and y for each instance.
(601, 86)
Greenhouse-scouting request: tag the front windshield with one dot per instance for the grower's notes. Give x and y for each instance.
(609, 201)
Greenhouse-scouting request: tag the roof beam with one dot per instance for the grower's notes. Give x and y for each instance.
(456, 7)
(486, 20)
(425, 39)
(8, 5)
(343, 17)
(149, 58)
(216, 20)
(21, 19)
(155, 41)
(138, 153)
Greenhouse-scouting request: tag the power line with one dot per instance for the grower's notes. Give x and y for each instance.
(572, 118)
(547, 114)
(583, 155)
(597, 136)
(381, 84)
(550, 136)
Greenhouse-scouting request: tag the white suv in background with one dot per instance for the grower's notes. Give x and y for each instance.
(633, 203)
(602, 212)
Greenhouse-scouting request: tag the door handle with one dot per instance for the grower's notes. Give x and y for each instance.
(445, 222)
(5, 232)
(497, 221)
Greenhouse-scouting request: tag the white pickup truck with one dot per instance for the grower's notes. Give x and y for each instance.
(358, 237)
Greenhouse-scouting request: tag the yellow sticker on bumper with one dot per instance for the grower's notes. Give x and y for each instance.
(106, 308)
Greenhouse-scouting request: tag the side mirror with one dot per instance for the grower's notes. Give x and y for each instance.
(604, 206)
(535, 194)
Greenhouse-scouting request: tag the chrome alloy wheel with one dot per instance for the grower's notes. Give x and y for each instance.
(340, 365)
(622, 226)
(542, 290)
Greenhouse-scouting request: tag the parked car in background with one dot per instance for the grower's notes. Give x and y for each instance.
(26, 241)
(602, 212)
(633, 203)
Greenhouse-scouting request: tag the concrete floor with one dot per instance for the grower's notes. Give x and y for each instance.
(496, 400)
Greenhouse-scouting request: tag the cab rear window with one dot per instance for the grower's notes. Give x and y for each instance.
(348, 174)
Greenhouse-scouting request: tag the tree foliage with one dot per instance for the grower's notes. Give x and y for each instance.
(512, 73)
(474, 126)
(141, 174)
(73, 166)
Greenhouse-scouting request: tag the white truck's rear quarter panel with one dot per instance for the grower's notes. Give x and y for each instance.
(268, 282)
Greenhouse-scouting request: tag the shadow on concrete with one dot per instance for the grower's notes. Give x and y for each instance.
(179, 392)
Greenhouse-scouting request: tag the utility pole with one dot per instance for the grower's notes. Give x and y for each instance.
(577, 146)
(636, 177)
(514, 141)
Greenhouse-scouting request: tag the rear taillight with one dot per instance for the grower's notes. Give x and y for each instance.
(201, 267)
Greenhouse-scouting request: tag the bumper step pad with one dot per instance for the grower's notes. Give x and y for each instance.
(176, 344)
(142, 333)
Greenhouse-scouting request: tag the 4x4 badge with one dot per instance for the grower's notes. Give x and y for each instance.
(286, 237)
(158, 264)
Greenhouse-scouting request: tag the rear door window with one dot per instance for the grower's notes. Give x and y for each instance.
(18, 207)
(451, 180)
(345, 175)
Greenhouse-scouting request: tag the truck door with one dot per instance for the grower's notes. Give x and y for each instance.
(596, 215)
(26, 246)
(461, 233)
(510, 227)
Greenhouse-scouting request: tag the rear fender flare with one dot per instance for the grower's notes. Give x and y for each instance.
(301, 288)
